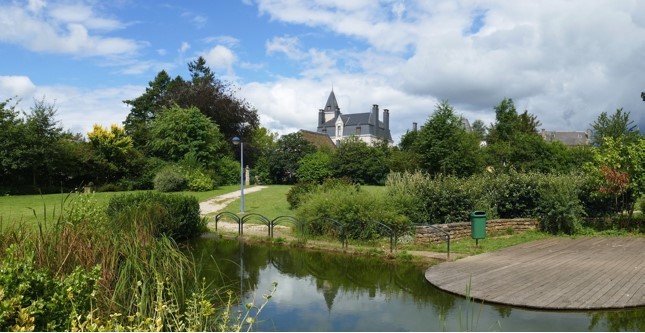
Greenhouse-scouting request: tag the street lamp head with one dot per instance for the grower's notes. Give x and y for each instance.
(236, 141)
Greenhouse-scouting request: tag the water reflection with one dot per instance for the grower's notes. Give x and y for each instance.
(321, 291)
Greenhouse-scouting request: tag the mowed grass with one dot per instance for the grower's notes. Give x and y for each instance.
(270, 202)
(20, 208)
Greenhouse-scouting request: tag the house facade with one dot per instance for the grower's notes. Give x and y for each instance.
(569, 138)
(367, 126)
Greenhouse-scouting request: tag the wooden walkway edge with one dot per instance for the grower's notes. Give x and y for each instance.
(556, 274)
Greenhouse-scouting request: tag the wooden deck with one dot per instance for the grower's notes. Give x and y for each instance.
(558, 273)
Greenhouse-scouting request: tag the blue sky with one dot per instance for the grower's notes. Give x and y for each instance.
(565, 61)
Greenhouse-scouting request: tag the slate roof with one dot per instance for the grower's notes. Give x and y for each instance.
(331, 102)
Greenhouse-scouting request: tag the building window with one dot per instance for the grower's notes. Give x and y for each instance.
(338, 132)
(358, 130)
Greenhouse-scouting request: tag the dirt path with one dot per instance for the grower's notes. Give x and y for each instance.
(219, 202)
(214, 205)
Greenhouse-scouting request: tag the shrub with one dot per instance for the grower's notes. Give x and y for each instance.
(170, 180)
(300, 192)
(297, 193)
(442, 199)
(176, 216)
(199, 181)
(560, 210)
(32, 299)
(356, 210)
(227, 171)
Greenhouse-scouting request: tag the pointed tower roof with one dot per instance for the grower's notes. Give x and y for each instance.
(332, 104)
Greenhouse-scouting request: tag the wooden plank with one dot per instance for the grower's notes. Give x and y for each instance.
(558, 273)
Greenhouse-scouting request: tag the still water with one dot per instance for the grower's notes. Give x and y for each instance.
(321, 291)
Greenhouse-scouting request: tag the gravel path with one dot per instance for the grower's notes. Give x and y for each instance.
(219, 202)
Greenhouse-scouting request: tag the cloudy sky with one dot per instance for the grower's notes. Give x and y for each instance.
(564, 61)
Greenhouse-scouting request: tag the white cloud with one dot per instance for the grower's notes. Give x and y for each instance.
(184, 47)
(229, 41)
(78, 109)
(566, 62)
(62, 29)
(220, 57)
(12, 86)
(35, 6)
(288, 45)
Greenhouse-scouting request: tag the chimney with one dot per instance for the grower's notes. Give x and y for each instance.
(386, 119)
(414, 127)
(374, 117)
(321, 117)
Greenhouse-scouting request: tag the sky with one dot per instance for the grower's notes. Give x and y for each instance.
(563, 61)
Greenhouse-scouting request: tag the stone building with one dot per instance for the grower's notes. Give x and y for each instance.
(365, 126)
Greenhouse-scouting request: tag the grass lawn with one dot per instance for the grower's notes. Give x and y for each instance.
(489, 244)
(18, 208)
(270, 202)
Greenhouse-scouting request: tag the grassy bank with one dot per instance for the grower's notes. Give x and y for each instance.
(21, 208)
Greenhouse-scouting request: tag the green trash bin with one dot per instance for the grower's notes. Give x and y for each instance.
(478, 225)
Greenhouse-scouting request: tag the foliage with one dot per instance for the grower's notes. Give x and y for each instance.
(615, 126)
(355, 210)
(560, 210)
(170, 180)
(283, 159)
(314, 167)
(33, 299)
(445, 147)
(358, 161)
(227, 171)
(619, 169)
(297, 193)
(176, 216)
(114, 154)
(554, 199)
(177, 132)
(214, 98)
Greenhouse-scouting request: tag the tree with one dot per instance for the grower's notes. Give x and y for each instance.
(480, 129)
(619, 164)
(42, 133)
(145, 108)
(177, 131)
(114, 151)
(283, 160)
(613, 126)
(443, 146)
(360, 162)
(513, 142)
(11, 140)
(314, 167)
(212, 97)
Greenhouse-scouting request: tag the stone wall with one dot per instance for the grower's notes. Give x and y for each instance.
(425, 234)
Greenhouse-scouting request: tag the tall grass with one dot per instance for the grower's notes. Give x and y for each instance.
(142, 277)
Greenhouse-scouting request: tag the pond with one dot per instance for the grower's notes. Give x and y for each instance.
(322, 291)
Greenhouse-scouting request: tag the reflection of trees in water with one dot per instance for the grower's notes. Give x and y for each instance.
(332, 273)
(620, 320)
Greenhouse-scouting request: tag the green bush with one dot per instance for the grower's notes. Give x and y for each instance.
(33, 299)
(227, 172)
(176, 216)
(442, 199)
(170, 180)
(560, 210)
(199, 181)
(298, 192)
(356, 210)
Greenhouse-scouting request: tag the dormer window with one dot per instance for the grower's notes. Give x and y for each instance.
(339, 131)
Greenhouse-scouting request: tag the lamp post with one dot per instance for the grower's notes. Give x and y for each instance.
(236, 141)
